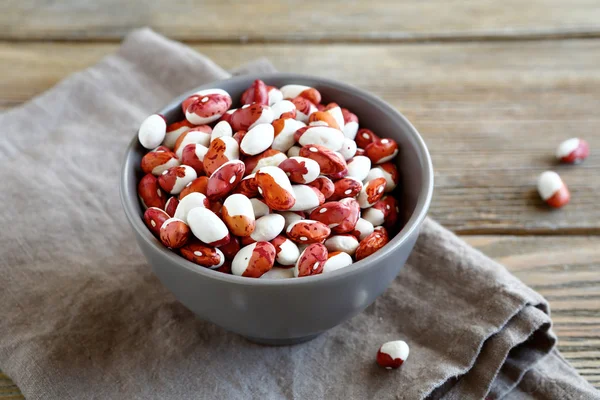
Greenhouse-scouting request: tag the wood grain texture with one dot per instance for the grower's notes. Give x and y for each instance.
(492, 114)
(8, 390)
(566, 270)
(293, 21)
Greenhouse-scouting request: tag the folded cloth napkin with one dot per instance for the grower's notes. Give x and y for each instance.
(83, 317)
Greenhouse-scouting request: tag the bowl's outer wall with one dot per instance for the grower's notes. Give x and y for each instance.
(276, 312)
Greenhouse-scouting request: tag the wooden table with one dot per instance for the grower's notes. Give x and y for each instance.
(492, 86)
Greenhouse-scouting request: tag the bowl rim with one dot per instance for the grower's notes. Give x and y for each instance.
(413, 223)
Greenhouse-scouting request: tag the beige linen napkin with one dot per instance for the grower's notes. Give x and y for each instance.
(83, 317)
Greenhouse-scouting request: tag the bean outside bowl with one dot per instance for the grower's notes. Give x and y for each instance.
(286, 311)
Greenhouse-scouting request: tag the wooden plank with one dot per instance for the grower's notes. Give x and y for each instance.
(566, 270)
(8, 390)
(292, 21)
(491, 113)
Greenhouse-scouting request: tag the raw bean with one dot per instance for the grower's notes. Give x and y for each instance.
(307, 198)
(268, 227)
(208, 227)
(553, 190)
(365, 137)
(239, 135)
(275, 187)
(392, 354)
(286, 251)
(322, 118)
(274, 94)
(171, 206)
(278, 273)
(362, 229)
(311, 260)
(154, 218)
(346, 187)
(203, 255)
(152, 131)
(199, 134)
(225, 179)
(376, 214)
(336, 112)
(225, 268)
(292, 91)
(332, 213)
(155, 162)
(254, 260)
(348, 149)
(300, 169)
(344, 242)
(393, 212)
(325, 186)
(247, 117)
(227, 116)
(387, 170)
(174, 233)
(150, 193)
(360, 152)
(174, 131)
(220, 151)
(220, 130)
(324, 136)
(256, 93)
(371, 244)
(284, 130)
(371, 192)
(174, 179)
(359, 167)
(207, 106)
(573, 151)
(238, 215)
(258, 139)
(329, 162)
(160, 148)
(198, 185)
(230, 249)
(341, 174)
(216, 207)
(304, 108)
(284, 109)
(248, 186)
(349, 223)
(308, 231)
(294, 151)
(267, 158)
(320, 107)
(193, 155)
(337, 260)
(291, 216)
(188, 203)
(260, 207)
(350, 124)
(382, 150)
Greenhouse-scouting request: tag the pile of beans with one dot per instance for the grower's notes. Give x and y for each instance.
(283, 186)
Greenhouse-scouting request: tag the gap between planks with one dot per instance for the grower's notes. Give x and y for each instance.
(376, 38)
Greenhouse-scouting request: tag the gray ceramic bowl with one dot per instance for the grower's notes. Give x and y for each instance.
(292, 310)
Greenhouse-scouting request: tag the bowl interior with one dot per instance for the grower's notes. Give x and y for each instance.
(413, 161)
